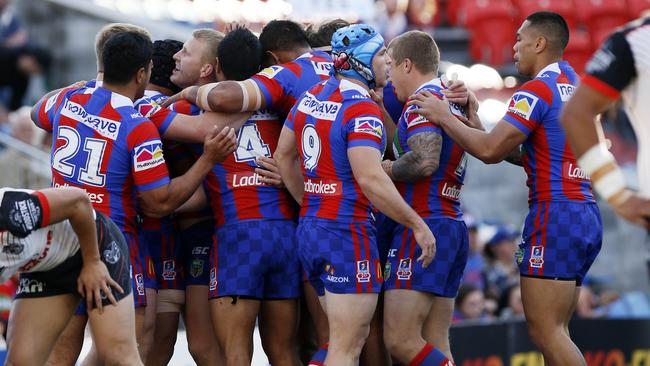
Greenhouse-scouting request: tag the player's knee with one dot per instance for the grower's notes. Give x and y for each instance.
(120, 353)
(19, 357)
(199, 347)
(540, 332)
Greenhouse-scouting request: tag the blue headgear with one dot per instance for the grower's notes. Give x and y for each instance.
(353, 48)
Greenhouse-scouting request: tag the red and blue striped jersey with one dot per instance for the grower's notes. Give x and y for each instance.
(283, 84)
(149, 106)
(242, 195)
(103, 145)
(553, 173)
(329, 119)
(436, 196)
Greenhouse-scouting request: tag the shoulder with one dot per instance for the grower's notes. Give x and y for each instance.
(536, 89)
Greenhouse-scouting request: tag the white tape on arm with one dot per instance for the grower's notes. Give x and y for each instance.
(245, 99)
(202, 96)
(607, 178)
(595, 158)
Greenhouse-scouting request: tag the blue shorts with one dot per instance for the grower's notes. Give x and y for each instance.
(196, 241)
(143, 273)
(560, 241)
(166, 253)
(341, 258)
(256, 258)
(385, 229)
(442, 277)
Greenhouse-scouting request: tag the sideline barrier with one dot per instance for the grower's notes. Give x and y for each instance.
(604, 342)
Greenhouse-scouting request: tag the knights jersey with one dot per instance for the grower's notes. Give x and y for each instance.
(44, 248)
(329, 119)
(553, 173)
(150, 106)
(103, 145)
(283, 84)
(621, 68)
(436, 196)
(235, 189)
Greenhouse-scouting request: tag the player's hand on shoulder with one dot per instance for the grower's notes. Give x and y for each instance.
(472, 111)
(188, 93)
(635, 209)
(377, 95)
(427, 242)
(94, 280)
(218, 145)
(457, 92)
(269, 172)
(430, 106)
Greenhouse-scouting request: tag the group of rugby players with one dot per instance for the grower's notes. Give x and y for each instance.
(212, 225)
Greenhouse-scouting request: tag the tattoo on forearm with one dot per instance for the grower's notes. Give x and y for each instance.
(421, 161)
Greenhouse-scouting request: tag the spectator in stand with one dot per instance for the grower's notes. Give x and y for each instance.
(470, 305)
(510, 305)
(390, 18)
(7, 292)
(12, 33)
(475, 266)
(501, 270)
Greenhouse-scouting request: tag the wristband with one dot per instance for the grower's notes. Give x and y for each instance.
(202, 96)
(595, 158)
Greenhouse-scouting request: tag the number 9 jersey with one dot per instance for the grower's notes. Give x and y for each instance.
(103, 145)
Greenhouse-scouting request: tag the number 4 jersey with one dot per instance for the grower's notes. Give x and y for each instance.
(103, 145)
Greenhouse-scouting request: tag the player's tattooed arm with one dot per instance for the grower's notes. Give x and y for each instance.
(516, 157)
(422, 161)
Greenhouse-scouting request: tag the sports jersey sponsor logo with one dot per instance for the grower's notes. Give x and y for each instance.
(601, 59)
(244, 179)
(105, 127)
(573, 171)
(263, 115)
(213, 279)
(147, 109)
(522, 104)
(112, 254)
(387, 269)
(404, 269)
(519, 255)
(322, 68)
(271, 71)
(148, 155)
(418, 120)
(50, 102)
(369, 125)
(319, 109)
(196, 268)
(338, 279)
(460, 169)
(169, 270)
(25, 215)
(14, 248)
(35, 261)
(323, 187)
(363, 271)
(97, 198)
(566, 91)
(536, 257)
(139, 283)
(450, 191)
(200, 250)
(29, 286)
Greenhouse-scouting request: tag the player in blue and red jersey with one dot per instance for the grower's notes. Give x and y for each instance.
(339, 140)
(255, 268)
(429, 170)
(293, 68)
(563, 230)
(122, 152)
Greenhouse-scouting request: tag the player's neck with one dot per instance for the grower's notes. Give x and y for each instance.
(417, 79)
(127, 90)
(288, 56)
(160, 89)
(353, 81)
(543, 62)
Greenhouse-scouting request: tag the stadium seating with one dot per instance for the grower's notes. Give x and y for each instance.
(601, 17)
(579, 50)
(492, 30)
(566, 8)
(637, 7)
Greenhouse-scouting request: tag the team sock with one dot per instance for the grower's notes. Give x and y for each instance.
(318, 359)
(430, 356)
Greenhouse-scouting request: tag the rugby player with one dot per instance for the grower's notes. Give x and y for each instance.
(63, 249)
(337, 149)
(563, 231)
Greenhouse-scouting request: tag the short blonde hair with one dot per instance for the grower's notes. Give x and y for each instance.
(110, 30)
(417, 46)
(211, 38)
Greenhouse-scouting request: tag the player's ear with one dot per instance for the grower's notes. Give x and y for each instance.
(540, 44)
(272, 58)
(207, 69)
(141, 76)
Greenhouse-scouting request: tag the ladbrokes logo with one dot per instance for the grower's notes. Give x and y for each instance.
(105, 127)
(322, 110)
(573, 171)
(323, 187)
(244, 179)
(450, 191)
(148, 155)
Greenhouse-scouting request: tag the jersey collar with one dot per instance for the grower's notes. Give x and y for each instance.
(554, 67)
(345, 85)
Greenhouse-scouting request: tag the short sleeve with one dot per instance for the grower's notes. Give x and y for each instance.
(364, 126)
(612, 67)
(148, 166)
(160, 116)
(416, 123)
(46, 109)
(276, 82)
(185, 107)
(528, 106)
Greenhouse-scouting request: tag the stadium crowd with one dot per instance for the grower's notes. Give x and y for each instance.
(308, 181)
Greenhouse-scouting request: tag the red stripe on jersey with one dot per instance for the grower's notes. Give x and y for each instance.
(540, 89)
(448, 203)
(601, 87)
(45, 209)
(361, 108)
(366, 248)
(357, 253)
(542, 166)
(571, 186)
(215, 198)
